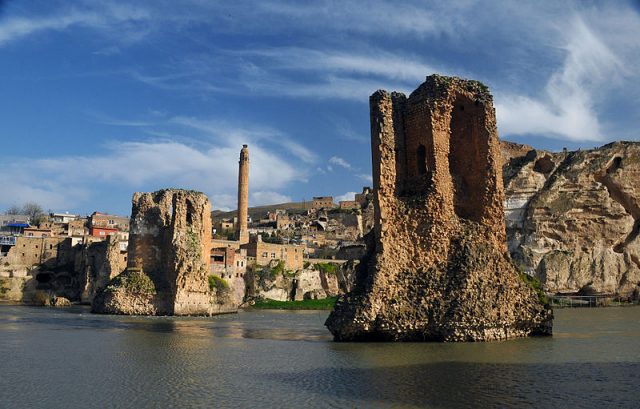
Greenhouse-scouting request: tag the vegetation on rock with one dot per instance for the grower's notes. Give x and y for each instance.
(134, 280)
(323, 304)
(217, 284)
(326, 268)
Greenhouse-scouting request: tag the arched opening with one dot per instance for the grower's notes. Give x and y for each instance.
(190, 211)
(422, 160)
(468, 158)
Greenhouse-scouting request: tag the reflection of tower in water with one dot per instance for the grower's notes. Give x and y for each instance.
(242, 232)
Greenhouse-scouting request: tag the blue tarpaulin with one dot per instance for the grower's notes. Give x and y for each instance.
(17, 224)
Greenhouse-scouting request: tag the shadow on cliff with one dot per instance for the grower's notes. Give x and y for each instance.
(467, 384)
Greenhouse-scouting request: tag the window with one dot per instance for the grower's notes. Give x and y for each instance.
(264, 254)
(112, 222)
(30, 234)
(36, 246)
(273, 255)
(101, 233)
(50, 246)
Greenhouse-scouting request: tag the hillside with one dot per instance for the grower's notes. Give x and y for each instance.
(258, 212)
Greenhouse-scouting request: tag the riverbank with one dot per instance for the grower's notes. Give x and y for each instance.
(323, 304)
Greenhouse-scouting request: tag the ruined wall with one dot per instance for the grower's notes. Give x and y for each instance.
(439, 268)
(168, 260)
(99, 262)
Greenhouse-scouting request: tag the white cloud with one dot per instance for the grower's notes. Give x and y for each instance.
(367, 178)
(102, 18)
(346, 196)
(267, 198)
(336, 160)
(71, 180)
(567, 109)
(376, 62)
(228, 132)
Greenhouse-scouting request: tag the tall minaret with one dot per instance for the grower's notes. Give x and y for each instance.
(242, 233)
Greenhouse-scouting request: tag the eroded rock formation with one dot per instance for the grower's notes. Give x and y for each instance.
(438, 269)
(573, 218)
(168, 259)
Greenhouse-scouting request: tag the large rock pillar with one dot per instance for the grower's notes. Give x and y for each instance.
(437, 267)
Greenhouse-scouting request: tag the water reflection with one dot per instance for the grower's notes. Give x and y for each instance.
(57, 358)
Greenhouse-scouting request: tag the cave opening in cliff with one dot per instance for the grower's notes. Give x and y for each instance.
(616, 164)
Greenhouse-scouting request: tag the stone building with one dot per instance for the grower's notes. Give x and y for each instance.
(37, 232)
(437, 267)
(282, 222)
(110, 221)
(322, 202)
(364, 197)
(264, 253)
(348, 204)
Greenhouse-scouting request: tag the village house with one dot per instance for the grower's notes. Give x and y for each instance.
(322, 202)
(109, 221)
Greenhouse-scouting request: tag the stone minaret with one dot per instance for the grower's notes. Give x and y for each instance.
(242, 234)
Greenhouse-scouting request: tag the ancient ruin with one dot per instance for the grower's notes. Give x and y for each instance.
(168, 260)
(438, 268)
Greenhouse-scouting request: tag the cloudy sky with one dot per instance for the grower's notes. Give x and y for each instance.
(103, 98)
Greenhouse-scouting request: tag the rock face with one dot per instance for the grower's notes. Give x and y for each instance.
(168, 259)
(438, 269)
(308, 283)
(573, 217)
(99, 263)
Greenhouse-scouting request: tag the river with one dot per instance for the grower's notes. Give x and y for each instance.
(69, 358)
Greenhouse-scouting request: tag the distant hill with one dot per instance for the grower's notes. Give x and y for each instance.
(259, 212)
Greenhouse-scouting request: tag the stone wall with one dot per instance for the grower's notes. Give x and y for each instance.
(438, 268)
(99, 262)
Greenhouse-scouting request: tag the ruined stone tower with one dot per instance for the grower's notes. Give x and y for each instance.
(437, 267)
(168, 259)
(242, 232)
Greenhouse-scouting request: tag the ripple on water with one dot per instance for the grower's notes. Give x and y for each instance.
(58, 358)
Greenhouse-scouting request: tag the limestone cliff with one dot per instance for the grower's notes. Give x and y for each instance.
(168, 259)
(438, 268)
(572, 217)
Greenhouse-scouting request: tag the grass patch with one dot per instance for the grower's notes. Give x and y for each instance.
(324, 304)
(536, 285)
(134, 280)
(327, 268)
(217, 284)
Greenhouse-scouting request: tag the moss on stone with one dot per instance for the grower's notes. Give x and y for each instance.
(327, 268)
(134, 280)
(217, 284)
(536, 285)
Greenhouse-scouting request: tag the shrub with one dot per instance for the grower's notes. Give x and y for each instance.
(134, 280)
(536, 285)
(217, 284)
(327, 268)
(278, 269)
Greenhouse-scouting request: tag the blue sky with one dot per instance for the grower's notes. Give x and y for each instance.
(104, 98)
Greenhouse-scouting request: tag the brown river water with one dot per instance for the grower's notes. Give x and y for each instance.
(69, 358)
